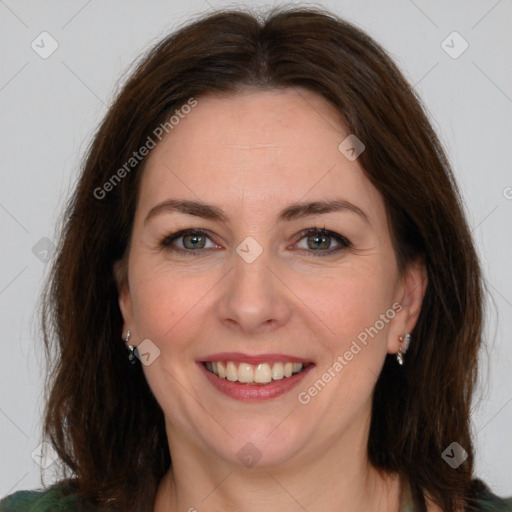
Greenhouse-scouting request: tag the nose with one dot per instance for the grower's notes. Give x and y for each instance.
(255, 298)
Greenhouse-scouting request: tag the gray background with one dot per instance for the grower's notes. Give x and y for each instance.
(50, 108)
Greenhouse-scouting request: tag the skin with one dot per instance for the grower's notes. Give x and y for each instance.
(251, 155)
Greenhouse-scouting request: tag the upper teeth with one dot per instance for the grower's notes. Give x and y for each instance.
(259, 373)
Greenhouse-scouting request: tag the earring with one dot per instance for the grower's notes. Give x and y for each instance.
(130, 348)
(403, 349)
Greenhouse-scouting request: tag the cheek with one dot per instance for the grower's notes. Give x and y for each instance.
(353, 356)
(164, 302)
(170, 305)
(350, 301)
(358, 310)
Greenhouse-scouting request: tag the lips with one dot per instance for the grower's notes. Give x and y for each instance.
(254, 377)
(239, 357)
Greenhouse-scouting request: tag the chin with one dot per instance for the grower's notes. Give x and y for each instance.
(272, 443)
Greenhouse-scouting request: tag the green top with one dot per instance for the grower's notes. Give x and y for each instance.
(54, 499)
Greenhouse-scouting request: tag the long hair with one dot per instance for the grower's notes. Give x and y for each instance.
(101, 416)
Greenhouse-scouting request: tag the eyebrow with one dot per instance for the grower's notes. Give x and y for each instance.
(292, 212)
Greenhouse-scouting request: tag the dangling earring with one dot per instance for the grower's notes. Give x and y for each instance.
(130, 348)
(403, 349)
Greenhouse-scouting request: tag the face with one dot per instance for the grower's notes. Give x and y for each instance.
(260, 282)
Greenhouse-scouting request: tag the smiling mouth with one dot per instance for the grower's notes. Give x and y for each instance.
(246, 373)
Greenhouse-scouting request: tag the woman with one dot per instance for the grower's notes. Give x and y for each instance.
(266, 295)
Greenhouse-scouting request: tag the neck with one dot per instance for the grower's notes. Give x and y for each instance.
(345, 483)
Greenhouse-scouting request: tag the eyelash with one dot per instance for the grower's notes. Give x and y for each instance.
(344, 242)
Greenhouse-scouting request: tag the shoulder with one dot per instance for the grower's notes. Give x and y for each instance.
(488, 501)
(493, 503)
(56, 498)
(484, 500)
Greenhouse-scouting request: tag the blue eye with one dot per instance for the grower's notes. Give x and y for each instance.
(319, 239)
(193, 242)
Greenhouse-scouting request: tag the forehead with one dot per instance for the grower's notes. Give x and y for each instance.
(258, 119)
(267, 147)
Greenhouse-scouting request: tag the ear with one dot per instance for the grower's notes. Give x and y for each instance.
(409, 296)
(123, 293)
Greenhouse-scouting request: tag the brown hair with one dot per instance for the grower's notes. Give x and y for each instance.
(101, 416)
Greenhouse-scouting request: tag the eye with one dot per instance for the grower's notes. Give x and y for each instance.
(318, 240)
(192, 241)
